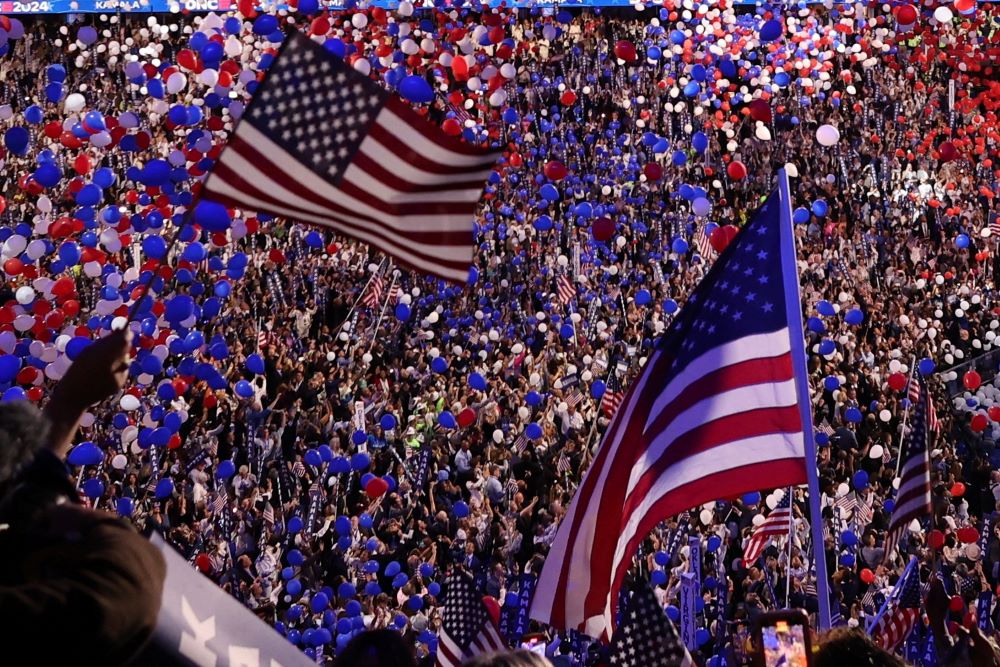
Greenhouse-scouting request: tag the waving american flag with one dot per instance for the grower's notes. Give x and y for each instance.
(321, 143)
(467, 629)
(715, 410)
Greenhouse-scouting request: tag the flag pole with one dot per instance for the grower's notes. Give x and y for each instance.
(793, 305)
(791, 542)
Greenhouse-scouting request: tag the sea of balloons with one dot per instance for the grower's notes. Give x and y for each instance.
(432, 426)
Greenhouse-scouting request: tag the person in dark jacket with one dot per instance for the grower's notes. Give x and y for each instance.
(77, 586)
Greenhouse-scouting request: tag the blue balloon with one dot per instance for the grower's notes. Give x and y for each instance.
(658, 578)
(402, 312)
(164, 488)
(962, 241)
(854, 317)
(889, 505)
(770, 31)
(598, 388)
(714, 542)
(860, 480)
(831, 383)
(827, 346)
(679, 158)
(439, 365)
(244, 389)
(699, 141)
(848, 538)
(533, 398)
(673, 613)
(752, 498)
(17, 139)
(415, 89)
(447, 420)
(670, 306)
(319, 602)
(853, 415)
(477, 382)
(255, 364)
(388, 422)
(643, 297)
(926, 366)
(125, 507)
(392, 569)
(9, 367)
(342, 525)
(85, 454)
(461, 509)
(212, 216)
(48, 174)
(294, 524)
(820, 208)
(533, 431)
(549, 192)
(294, 587)
(800, 216)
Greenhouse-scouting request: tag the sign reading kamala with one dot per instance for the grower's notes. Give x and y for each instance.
(201, 625)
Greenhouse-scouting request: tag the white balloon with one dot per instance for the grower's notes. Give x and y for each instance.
(827, 135)
(176, 82)
(706, 517)
(119, 462)
(876, 452)
(757, 519)
(24, 295)
(129, 403)
(701, 207)
(762, 133)
(498, 436)
(359, 21)
(885, 416)
(74, 103)
(842, 489)
(943, 14)
(14, 245)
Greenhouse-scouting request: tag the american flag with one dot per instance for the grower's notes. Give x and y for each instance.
(467, 629)
(646, 637)
(268, 514)
(713, 412)
(895, 625)
(846, 503)
(220, 501)
(574, 398)
(323, 144)
(298, 469)
(373, 297)
(704, 244)
(863, 512)
(913, 393)
(824, 427)
(566, 289)
(563, 465)
(613, 396)
(394, 294)
(913, 499)
(262, 338)
(520, 443)
(995, 226)
(775, 526)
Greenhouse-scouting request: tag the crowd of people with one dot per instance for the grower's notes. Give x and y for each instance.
(328, 436)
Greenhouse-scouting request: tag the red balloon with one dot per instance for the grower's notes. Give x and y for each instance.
(204, 563)
(948, 152)
(956, 603)
(906, 14)
(897, 381)
(736, 170)
(555, 170)
(935, 539)
(493, 607)
(958, 489)
(971, 380)
(760, 110)
(978, 424)
(867, 576)
(466, 417)
(968, 535)
(81, 164)
(376, 488)
(460, 68)
(13, 266)
(3, 204)
(451, 127)
(603, 229)
(653, 171)
(625, 50)
(568, 98)
(721, 237)
(276, 256)
(994, 413)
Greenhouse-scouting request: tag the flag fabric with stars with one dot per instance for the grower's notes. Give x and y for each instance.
(646, 637)
(322, 144)
(714, 411)
(913, 498)
(613, 395)
(467, 629)
(895, 625)
(373, 296)
(566, 289)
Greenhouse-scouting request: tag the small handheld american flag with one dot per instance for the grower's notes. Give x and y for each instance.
(913, 499)
(646, 636)
(613, 395)
(320, 143)
(895, 625)
(775, 526)
(467, 629)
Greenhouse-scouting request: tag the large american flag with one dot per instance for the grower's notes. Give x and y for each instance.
(913, 499)
(320, 143)
(714, 411)
(775, 526)
(895, 625)
(466, 626)
(646, 637)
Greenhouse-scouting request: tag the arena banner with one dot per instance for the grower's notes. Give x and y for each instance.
(200, 624)
(168, 6)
